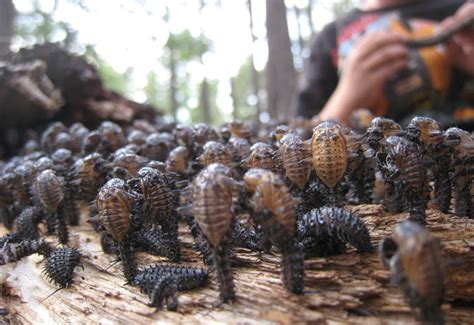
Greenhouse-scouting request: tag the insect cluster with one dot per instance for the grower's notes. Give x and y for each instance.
(232, 187)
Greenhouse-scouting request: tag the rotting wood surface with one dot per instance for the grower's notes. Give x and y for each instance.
(350, 288)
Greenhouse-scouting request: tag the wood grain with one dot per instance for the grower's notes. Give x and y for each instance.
(350, 288)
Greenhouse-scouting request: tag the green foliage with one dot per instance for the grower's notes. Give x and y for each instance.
(39, 26)
(242, 91)
(113, 80)
(188, 47)
(341, 7)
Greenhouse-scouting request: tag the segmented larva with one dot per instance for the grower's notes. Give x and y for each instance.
(11, 253)
(294, 155)
(337, 223)
(329, 151)
(406, 170)
(212, 202)
(213, 153)
(159, 199)
(178, 160)
(274, 211)
(261, 156)
(114, 208)
(414, 258)
(158, 242)
(60, 264)
(48, 189)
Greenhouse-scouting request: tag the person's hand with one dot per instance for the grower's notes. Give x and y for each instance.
(375, 58)
(460, 48)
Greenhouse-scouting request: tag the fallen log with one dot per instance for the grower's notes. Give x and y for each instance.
(349, 288)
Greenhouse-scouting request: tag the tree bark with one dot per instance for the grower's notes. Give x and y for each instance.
(204, 102)
(309, 14)
(7, 18)
(281, 75)
(348, 288)
(173, 83)
(235, 100)
(301, 42)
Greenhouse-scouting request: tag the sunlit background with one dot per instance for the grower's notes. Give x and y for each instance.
(144, 47)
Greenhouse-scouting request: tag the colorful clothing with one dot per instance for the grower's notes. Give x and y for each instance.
(428, 86)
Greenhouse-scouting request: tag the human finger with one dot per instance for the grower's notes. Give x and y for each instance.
(386, 55)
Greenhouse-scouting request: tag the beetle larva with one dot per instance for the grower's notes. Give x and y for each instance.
(404, 167)
(329, 157)
(294, 155)
(160, 199)
(60, 264)
(158, 242)
(212, 203)
(436, 154)
(273, 210)
(463, 145)
(215, 153)
(48, 190)
(261, 156)
(414, 258)
(178, 161)
(339, 224)
(184, 278)
(114, 205)
(11, 253)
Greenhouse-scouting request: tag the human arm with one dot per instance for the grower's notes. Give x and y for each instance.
(376, 57)
(460, 48)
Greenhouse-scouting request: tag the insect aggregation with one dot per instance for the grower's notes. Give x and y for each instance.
(233, 187)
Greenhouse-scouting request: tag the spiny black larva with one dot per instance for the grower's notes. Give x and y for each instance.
(108, 244)
(187, 277)
(158, 242)
(6, 200)
(26, 225)
(338, 223)
(163, 293)
(274, 211)
(60, 264)
(11, 253)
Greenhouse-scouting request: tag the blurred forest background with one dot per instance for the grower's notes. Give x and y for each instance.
(197, 60)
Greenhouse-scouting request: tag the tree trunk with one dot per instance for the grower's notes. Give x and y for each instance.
(235, 100)
(173, 84)
(7, 18)
(301, 42)
(350, 288)
(309, 11)
(281, 75)
(204, 102)
(253, 71)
